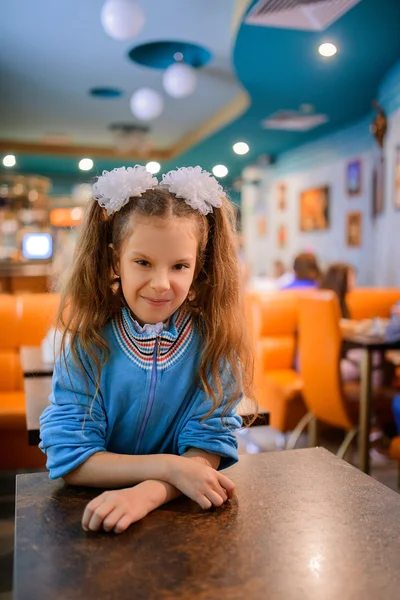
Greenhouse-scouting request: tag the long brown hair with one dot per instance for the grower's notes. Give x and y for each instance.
(92, 295)
(336, 279)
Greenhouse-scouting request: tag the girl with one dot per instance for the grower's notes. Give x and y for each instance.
(145, 393)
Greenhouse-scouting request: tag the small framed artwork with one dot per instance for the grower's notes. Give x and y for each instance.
(397, 178)
(353, 229)
(282, 236)
(281, 193)
(353, 177)
(261, 225)
(378, 186)
(314, 209)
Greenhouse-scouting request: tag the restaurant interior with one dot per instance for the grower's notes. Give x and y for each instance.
(294, 106)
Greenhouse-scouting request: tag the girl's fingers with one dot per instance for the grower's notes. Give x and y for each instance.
(220, 491)
(99, 515)
(112, 519)
(227, 484)
(89, 510)
(123, 524)
(204, 502)
(215, 498)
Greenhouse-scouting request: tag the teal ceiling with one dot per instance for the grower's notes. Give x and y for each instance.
(280, 69)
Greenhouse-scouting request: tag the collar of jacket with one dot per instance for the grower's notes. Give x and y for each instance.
(172, 342)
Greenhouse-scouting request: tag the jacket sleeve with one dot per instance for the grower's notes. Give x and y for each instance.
(70, 430)
(215, 434)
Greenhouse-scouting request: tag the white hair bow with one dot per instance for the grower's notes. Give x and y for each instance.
(196, 187)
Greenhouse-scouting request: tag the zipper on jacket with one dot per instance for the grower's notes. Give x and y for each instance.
(150, 399)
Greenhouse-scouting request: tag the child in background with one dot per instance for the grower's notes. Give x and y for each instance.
(144, 396)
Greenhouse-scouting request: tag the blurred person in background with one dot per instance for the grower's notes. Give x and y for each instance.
(281, 275)
(341, 279)
(306, 272)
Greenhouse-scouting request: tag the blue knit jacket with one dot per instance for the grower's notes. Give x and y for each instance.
(148, 402)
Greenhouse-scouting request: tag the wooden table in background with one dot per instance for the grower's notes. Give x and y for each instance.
(368, 344)
(305, 525)
(38, 385)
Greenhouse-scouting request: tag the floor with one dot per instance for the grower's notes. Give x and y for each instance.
(256, 439)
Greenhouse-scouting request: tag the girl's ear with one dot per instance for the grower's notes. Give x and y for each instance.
(114, 259)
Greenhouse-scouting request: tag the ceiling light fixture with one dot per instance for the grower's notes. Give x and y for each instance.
(241, 148)
(122, 19)
(147, 104)
(9, 160)
(220, 171)
(327, 49)
(179, 80)
(153, 167)
(85, 164)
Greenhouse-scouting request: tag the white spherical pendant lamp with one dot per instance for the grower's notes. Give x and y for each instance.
(147, 104)
(122, 19)
(179, 80)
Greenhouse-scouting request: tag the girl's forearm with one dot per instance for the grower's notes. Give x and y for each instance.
(109, 470)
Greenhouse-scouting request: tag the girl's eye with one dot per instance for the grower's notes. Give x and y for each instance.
(142, 263)
(180, 267)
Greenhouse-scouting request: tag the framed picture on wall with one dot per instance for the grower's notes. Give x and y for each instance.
(282, 236)
(314, 209)
(353, 177)
(397, 178)
(261, 225)
(281, 194)
(378, 186)
(353, 229)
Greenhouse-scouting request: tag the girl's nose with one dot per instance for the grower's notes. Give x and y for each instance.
(160, 282)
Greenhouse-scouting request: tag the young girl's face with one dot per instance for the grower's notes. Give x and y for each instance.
(157, 265)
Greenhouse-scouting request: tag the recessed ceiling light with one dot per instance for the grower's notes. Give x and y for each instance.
(327, 49)
(85, 164)
(153, 167)
(9, 160)
(220, 171)
(241, 148)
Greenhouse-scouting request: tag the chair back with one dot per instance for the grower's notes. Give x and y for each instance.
(319, 346)
(367, 303)
(10, 368)
(37, 315)
(275, 323)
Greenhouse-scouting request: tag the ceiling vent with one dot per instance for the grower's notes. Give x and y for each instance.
(291, 120)
(306, 15)
(131, 137)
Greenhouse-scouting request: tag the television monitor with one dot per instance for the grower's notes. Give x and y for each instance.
(37, 245)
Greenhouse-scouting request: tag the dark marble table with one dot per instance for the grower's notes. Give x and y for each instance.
(305, 526)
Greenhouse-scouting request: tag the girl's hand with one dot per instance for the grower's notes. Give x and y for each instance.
(201, 483)
(117, 509)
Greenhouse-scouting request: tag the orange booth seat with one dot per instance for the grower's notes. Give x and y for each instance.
(367, 303)
(278, 386)
(24, 321)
